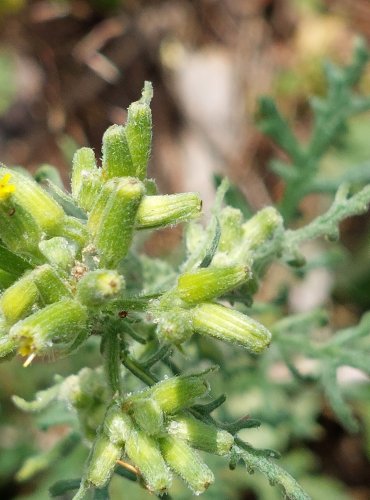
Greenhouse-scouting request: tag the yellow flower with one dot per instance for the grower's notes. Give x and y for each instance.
(5, 188)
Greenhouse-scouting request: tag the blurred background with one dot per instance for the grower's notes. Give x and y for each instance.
(69, 69)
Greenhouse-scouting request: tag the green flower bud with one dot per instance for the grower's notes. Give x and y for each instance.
(145, 454)
(230, 326)
(36, 202)
(50, 286)
(148, 415)
(231, 228)
(60, 252)
(117, 425)
(211, 282)
(99, 287)
(117, 161)
(200, 435)
(166, 210)
(187, 464)
(174, 325)
(102, 201)
(260, 228)
(55, 323)
(102, 461)
(86, 178)
(114, 234)
(177, 393)
(19, 299)
(138, 131)
(19, 230)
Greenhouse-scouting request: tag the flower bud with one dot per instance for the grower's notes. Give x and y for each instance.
(174, 325)
(19, 230)
(99, 287)
(101, 202)
(138, 131)
(260, 228)
(19, 299)
(50, 286)
(60, 322)
(230, 326)
(117, 161)
(231, 228)
(102, 461)
(200, 435)
(114, 234)
(211, 282)
(144, 452)
(117, 425)
(148, 415)
(187, 464)
(176, 393)
(86, 178)
(165, 210)
(60, 252)
(36, 202)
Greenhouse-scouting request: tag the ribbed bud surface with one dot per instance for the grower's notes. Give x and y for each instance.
(102, 461)
(202, 436)
(144, 452)
(230, 326)
(139, 131)
(176, 393)
(62, 321)
(166, 210)
(86, 178)
(17, 301)
(117, 160)
(183, 460)
(211, 282)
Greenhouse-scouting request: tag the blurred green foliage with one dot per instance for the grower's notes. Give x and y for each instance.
(7, 80)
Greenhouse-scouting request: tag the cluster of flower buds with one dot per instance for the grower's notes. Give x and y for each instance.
(58, 270)
(189, 308)
(158, 435)
(63, 274)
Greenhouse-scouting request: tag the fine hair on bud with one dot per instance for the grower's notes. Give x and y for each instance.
(232, 326)
(186, 462)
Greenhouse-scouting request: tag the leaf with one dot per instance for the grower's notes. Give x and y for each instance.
(212, 248)
(253, 459)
